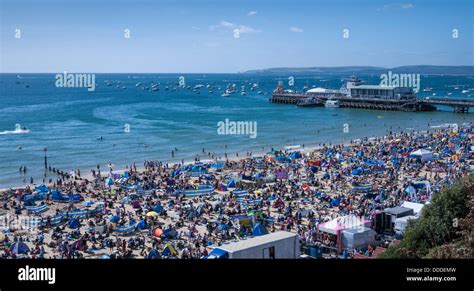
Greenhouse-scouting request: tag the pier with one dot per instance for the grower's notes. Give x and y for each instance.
(459, 105)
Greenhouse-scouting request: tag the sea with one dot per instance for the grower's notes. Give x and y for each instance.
(121, 122)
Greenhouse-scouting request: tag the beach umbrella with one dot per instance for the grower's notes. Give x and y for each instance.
(259, 230)
(74, 223)
(223, 226)
(115, 219)
(170, 233)
(152, 214)
(42, 188)
(335, 202)
(169, 249)
(141, 225)
(158, 208)
(88, 203)
(2, 237)
(19, 248)
(136, 204)
(157, 232)
(154, 254)
(109, 181)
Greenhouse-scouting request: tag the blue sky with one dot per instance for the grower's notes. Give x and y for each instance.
(198, 36)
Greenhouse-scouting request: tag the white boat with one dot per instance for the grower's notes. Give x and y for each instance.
(332, 104)
(428, 89)
(225, 94)
(138, 84)
(465, 91)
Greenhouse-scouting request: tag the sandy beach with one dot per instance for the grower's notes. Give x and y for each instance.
(159, 210)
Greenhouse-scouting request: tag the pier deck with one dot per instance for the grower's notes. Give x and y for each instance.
(459, 105)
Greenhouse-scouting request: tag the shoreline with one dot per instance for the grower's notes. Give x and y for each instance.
(311, 147)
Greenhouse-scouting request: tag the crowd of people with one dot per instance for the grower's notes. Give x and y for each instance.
(287, 190)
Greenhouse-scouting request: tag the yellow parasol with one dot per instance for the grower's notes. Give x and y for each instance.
(2, 237)
(152, 214)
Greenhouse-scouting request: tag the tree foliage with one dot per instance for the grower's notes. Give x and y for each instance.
(444, 229)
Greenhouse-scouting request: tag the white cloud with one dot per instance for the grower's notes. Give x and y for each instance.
(296, 29)
(195, 28)
(252, 13)
(226, 25)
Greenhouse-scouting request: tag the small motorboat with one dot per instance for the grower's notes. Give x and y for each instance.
(332, 103)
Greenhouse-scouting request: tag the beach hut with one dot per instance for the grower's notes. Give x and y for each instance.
(19, 248)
